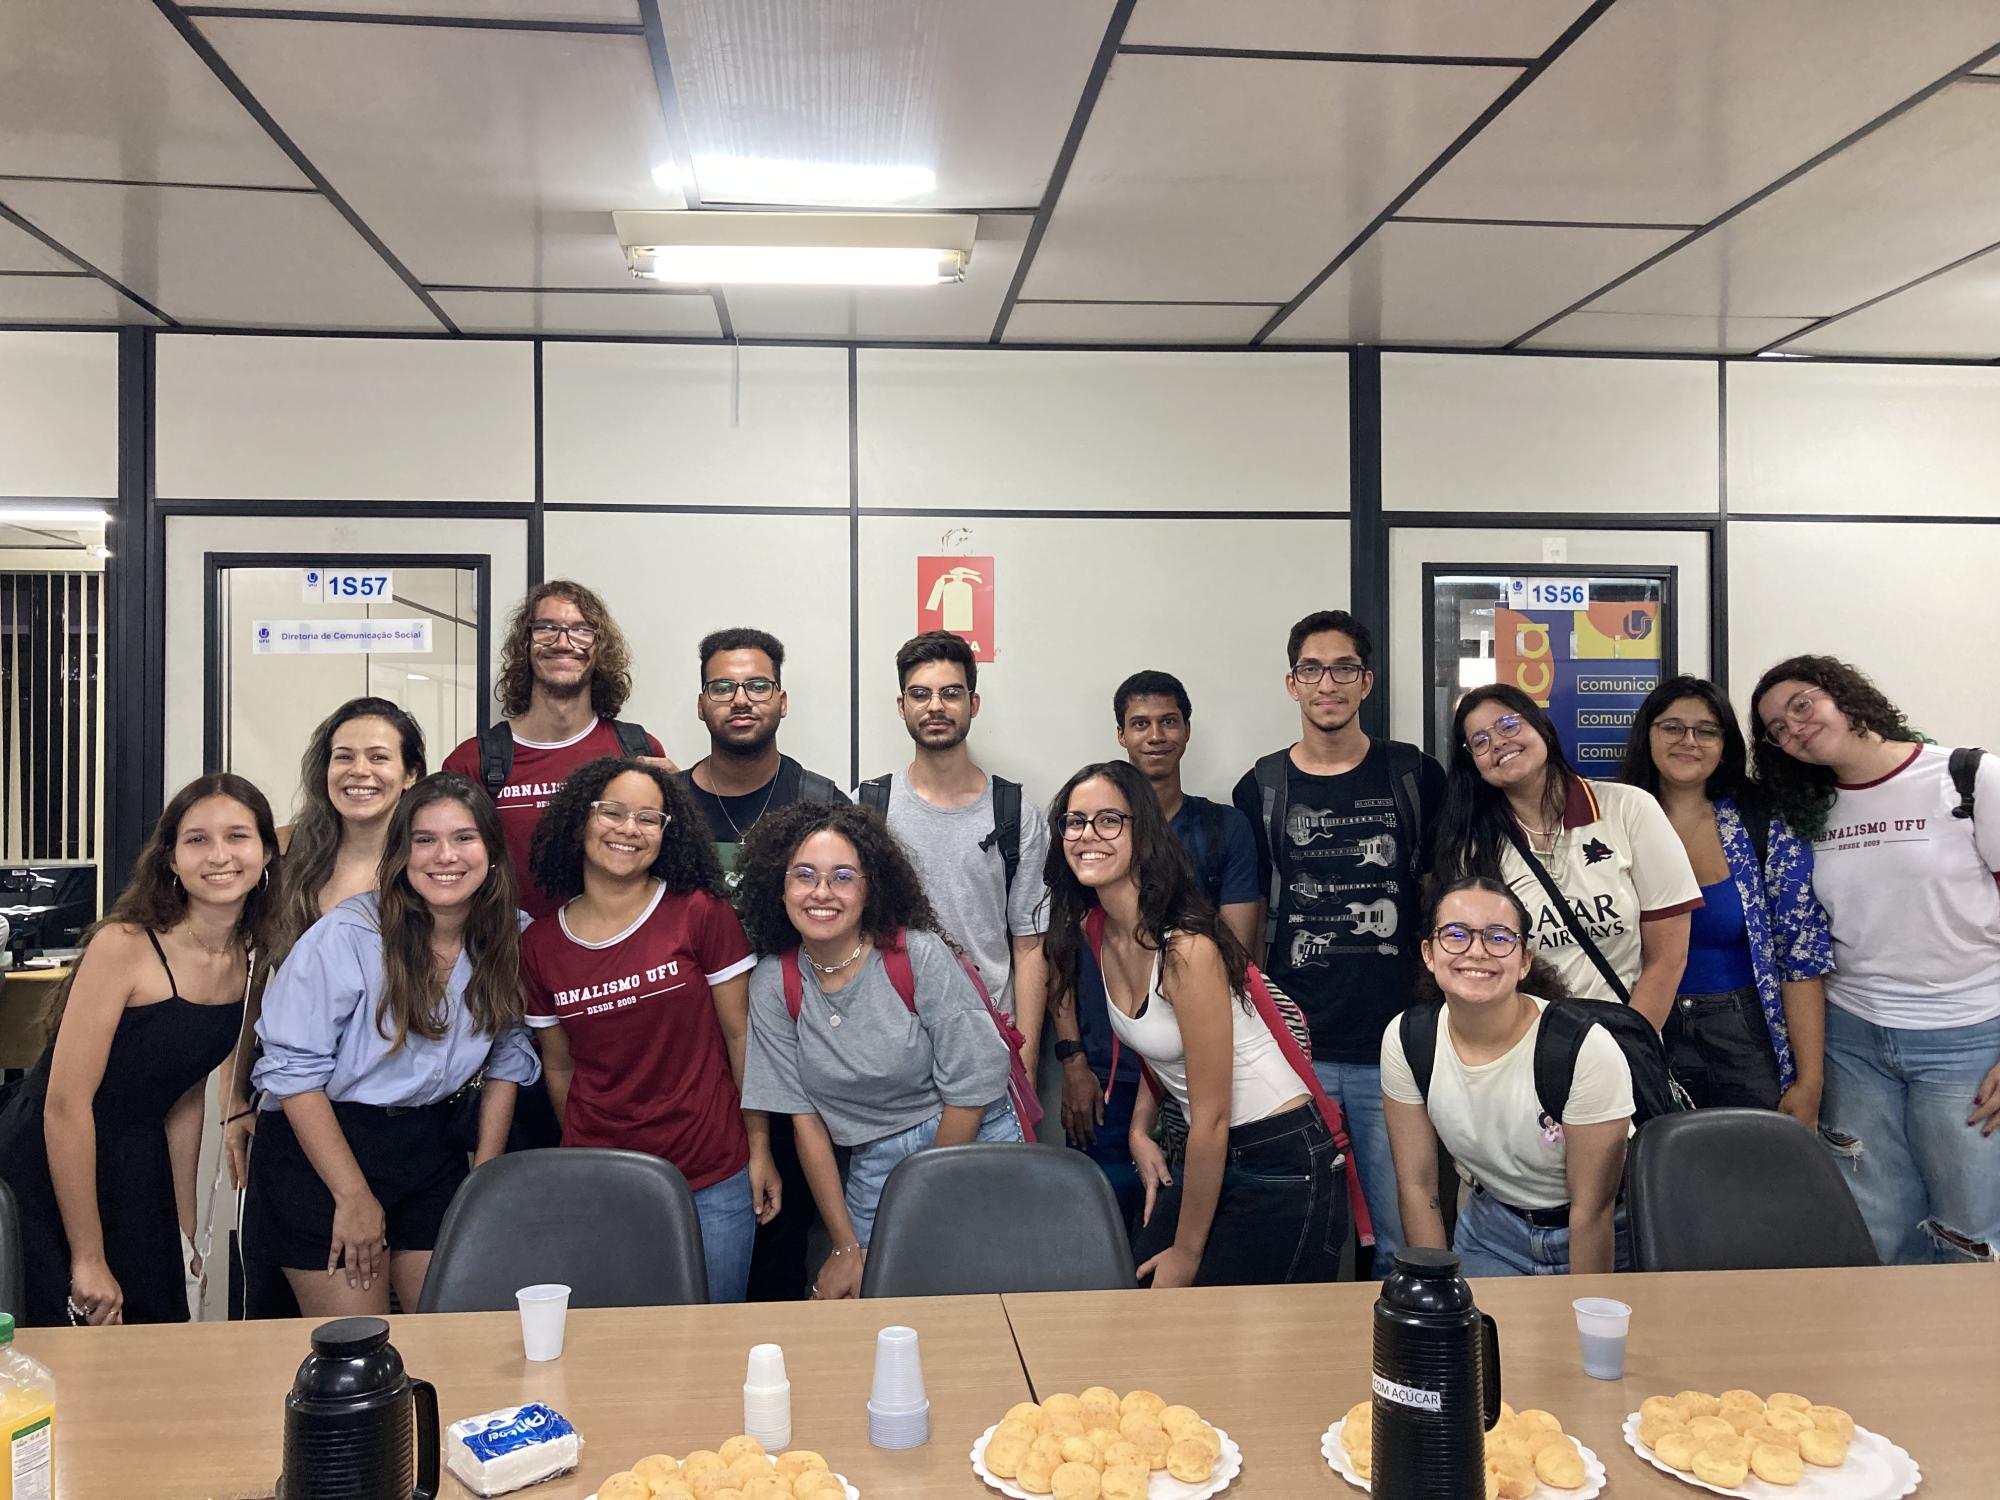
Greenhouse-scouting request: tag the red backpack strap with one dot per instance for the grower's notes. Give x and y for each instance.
(795, 983)
(896, 964)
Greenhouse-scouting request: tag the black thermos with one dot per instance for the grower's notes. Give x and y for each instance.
(350, 1419)
(1437, 1382)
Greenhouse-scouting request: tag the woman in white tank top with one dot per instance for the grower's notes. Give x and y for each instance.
(1261, 1195)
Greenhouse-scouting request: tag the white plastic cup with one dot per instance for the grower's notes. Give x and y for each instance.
(544, 1311)
(899, 1374)
(767, 1369)
(1601, 1326)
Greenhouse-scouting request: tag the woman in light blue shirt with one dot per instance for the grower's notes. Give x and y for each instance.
(384, 1011)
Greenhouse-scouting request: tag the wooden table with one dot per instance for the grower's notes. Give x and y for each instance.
(196, 1412)
(1909, 1351)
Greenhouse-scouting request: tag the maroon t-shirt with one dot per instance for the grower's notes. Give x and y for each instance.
(652, 1069)
(537, 775)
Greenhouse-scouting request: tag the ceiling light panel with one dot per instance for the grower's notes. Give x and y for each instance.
(962, 311)
(1427, 28)
(666, 314)
(626, 11)
(482, 158)
(1463, 283)
(1953, 316)
(1664, 111)
(790, 101)
(105, 88)
(1234, 180)
(1664, 333)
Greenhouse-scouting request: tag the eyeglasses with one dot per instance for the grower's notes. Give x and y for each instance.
(955, 694)
(1674, 731)
(615, 814)
(1310, 672)
(1506, 727)
(546, 632)
(1106, 822)
(1796, 712)
(722, 689)
(806, 878)
(1456, 938)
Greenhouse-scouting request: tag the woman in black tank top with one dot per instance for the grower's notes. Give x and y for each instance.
(99, 1142)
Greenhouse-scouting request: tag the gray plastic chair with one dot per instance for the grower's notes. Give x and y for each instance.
(12, 1289)
(617, 1227)
(997, 1217)
(1739, 1190)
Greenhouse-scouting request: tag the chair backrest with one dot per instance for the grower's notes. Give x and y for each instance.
(12, 1289)
(1739, 1190)
(617, 1227)
(997, 1217)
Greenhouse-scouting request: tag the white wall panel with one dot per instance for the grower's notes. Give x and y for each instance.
(1525, 434)
(1866, 439)
(1079, 606)
(681, 424)
(345, 419)
(59, 414)
(796, 589)
(944, 429)
(1908, 604)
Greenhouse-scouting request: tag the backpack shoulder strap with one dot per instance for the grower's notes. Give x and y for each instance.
(785, 786)
(1557, 1047)
(1273, 771)
(1964, 776)
(875, 793)
(633, 741)
(795, 984)
(1006, 832)
(814, 787)
(496, 756)
(896, 964)
(1417, 1029)
(1406, 789)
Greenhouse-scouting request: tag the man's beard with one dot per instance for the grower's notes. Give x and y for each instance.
(960, 731)
(743, 749)
(563, 691)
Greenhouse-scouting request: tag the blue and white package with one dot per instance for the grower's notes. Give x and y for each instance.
(511, 1448)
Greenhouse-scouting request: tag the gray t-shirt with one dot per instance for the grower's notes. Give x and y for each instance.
(968, 885)
(878, 1069)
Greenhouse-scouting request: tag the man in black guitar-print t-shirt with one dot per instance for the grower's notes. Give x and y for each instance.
(1344, 829)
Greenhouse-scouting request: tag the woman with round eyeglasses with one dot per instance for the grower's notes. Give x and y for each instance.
(1515, 812)
(865, 1026)
(1905, 864)
(1543, 1193)
(637, 996)
(1749, 1020)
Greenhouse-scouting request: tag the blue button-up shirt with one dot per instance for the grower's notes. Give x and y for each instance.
(319, 1031)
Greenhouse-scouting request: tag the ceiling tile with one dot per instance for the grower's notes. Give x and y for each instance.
(1423, 28)
(1953, 316)
(979, 96)
(1664, 333)
(21, 251)
(1917, 194)
(1229, 179)
(674, 314)
(488, 10)
(1147, 323)
(1669, 112)
(961, 312)
(65, 299)
(1463, 283)
(482, 158)
(104, 88)
(210, 255)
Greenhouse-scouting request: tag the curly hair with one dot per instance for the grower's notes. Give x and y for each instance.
(686, 861)
(895, 895)
(610, 661)
(1801, 794)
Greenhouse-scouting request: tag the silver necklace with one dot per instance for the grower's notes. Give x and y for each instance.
(762, 807)
(821, 968)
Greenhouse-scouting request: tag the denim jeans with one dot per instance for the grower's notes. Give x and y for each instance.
(1357, 1089)
(728, 1230)
(1493, 1240)
(869, 1166)
(1893, 1114)
(1719, 1047)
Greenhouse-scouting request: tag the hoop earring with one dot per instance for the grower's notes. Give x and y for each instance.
(265, 883)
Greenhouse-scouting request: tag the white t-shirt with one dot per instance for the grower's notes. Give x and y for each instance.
(1490, 1120)
(1620, 863)
(1910, 893)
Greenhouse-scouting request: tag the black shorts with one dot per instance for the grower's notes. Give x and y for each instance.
(410, 1165)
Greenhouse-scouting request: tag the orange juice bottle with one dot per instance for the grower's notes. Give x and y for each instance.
(27, 1422)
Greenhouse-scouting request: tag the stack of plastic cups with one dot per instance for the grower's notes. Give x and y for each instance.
(767, 1398)
(899, 1414)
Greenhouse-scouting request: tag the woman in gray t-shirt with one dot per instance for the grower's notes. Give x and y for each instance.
(864, 1025)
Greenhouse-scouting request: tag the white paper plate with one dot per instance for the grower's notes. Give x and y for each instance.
(1162, 1485)
(852, 1492)
(1876, 1469)
(1593, 1470)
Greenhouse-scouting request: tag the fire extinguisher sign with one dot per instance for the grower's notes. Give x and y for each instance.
(956, 594)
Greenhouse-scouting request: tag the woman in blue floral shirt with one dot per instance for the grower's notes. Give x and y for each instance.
(1748, 1025)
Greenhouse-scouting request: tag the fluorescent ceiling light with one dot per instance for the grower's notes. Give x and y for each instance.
(718, 248)
(756, 179)
(52, 515)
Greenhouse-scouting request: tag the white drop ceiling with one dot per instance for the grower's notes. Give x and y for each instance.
(1690, 176)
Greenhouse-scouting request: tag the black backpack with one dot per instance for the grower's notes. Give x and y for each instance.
(1964, 772)
(1006, 834)
(796, 784)
(1565, 1023)
(496, 750)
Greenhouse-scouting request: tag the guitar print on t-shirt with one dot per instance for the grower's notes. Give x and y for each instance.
(1344, 896)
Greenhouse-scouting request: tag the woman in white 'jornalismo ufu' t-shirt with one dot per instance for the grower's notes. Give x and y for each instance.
(1543, 1194)
(1912, 1094)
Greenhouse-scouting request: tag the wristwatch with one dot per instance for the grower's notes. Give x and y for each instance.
(1066, 1049)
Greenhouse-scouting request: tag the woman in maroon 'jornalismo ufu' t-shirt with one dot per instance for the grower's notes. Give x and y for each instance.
(638, 992)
